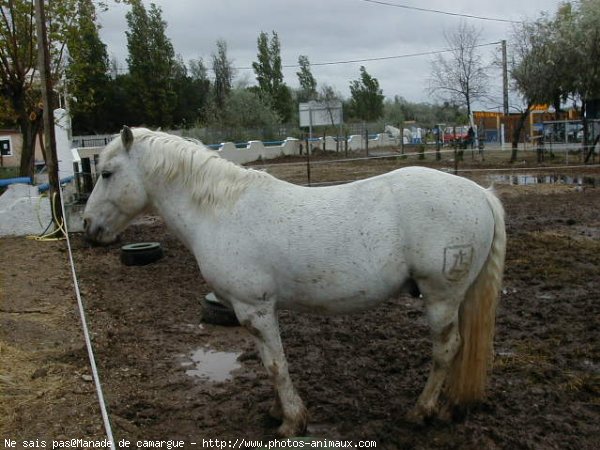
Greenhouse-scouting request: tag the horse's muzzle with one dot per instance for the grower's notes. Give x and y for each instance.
(96, 234)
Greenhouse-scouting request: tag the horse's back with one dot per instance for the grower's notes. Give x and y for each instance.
(346, 246)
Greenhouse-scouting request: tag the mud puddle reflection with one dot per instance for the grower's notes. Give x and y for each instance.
(211, 365)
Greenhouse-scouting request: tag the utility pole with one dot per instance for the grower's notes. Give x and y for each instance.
(504, 77)
(46, 85)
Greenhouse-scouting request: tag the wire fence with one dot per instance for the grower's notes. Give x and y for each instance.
(564, 159)
(450, 159)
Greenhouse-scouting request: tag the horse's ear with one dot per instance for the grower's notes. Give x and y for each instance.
(126, 137)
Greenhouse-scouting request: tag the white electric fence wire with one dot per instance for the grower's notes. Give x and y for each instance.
(86, 334)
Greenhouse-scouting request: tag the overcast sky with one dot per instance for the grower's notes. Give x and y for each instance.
(331, 31)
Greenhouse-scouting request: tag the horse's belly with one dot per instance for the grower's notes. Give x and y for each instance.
(325, 295)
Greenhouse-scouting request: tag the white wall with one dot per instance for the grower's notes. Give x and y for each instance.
(62, 131)
(256, 150)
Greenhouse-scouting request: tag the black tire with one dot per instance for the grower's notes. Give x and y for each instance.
(216, 313)
(141, 253)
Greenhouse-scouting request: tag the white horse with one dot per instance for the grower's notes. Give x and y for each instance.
(263, 244)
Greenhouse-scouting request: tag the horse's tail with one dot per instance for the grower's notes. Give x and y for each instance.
(468, 374)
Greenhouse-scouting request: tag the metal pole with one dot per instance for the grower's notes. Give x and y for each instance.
(504, 77)
(46, 85)
(401, 125)
(346, 144)
(309, 121)
(438, 155)
(307, 163)
(455, 160)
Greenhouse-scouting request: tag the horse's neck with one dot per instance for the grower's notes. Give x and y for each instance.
(191, 206)
(178, 210)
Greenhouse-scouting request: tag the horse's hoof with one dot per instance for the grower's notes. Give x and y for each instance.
(415, 417)
(297, 427)
(276, 412)
(419, 415)
(446, 414)
(288, 430)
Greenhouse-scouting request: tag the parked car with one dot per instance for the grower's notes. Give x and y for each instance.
(459, 134)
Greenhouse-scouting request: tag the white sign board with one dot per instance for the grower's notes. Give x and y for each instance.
(314, 114)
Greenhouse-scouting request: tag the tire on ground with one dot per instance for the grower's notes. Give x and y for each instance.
(141, 253)
(216, 313)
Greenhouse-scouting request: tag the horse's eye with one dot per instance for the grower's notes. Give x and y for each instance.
(106, 174)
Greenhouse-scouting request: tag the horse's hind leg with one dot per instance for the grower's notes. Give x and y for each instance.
(261, 321)
(442, 316)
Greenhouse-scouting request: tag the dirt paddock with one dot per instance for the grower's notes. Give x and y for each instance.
(358, 374)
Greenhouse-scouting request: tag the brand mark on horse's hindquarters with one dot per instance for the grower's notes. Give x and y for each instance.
(457, 261)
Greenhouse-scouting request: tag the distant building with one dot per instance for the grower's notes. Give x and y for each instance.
(11, 144)
(490, 124)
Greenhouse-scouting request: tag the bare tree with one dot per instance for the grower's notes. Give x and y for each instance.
(330, 99)
(461, 78)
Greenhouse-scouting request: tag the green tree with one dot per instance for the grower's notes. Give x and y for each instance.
(87, 72)
(533, 52)
(366, 102)
(243, 100)
(199, 87)
(8, 118)
(557, 58)
(269, 75)
(121, 105)
(192, 88)
(223, 70)
(18, 64)
(152, 65)
(578, 36)
(399, 110)
(308, 84)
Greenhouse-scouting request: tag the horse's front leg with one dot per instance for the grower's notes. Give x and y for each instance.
(261, 321)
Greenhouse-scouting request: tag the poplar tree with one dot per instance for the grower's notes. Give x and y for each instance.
(87, 73)
(223, 69)
(308, 84)
(152, 65)
(367, 98)
(269, 75)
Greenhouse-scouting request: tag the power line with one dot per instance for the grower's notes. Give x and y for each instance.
(437, 11)
(355, 61)
(378, 58)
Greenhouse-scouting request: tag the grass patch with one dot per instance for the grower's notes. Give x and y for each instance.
(582, 382)
(543, 256)
(525, 356)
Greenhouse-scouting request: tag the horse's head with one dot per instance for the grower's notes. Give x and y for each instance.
(119, 194)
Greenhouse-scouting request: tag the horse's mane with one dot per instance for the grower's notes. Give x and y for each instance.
(213, 181)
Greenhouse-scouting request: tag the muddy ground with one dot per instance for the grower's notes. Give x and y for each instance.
(358, 374)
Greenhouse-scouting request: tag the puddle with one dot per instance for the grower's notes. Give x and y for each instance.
(528, 179)
(211, 365)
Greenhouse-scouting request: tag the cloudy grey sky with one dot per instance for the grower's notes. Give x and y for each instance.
(331, 31)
